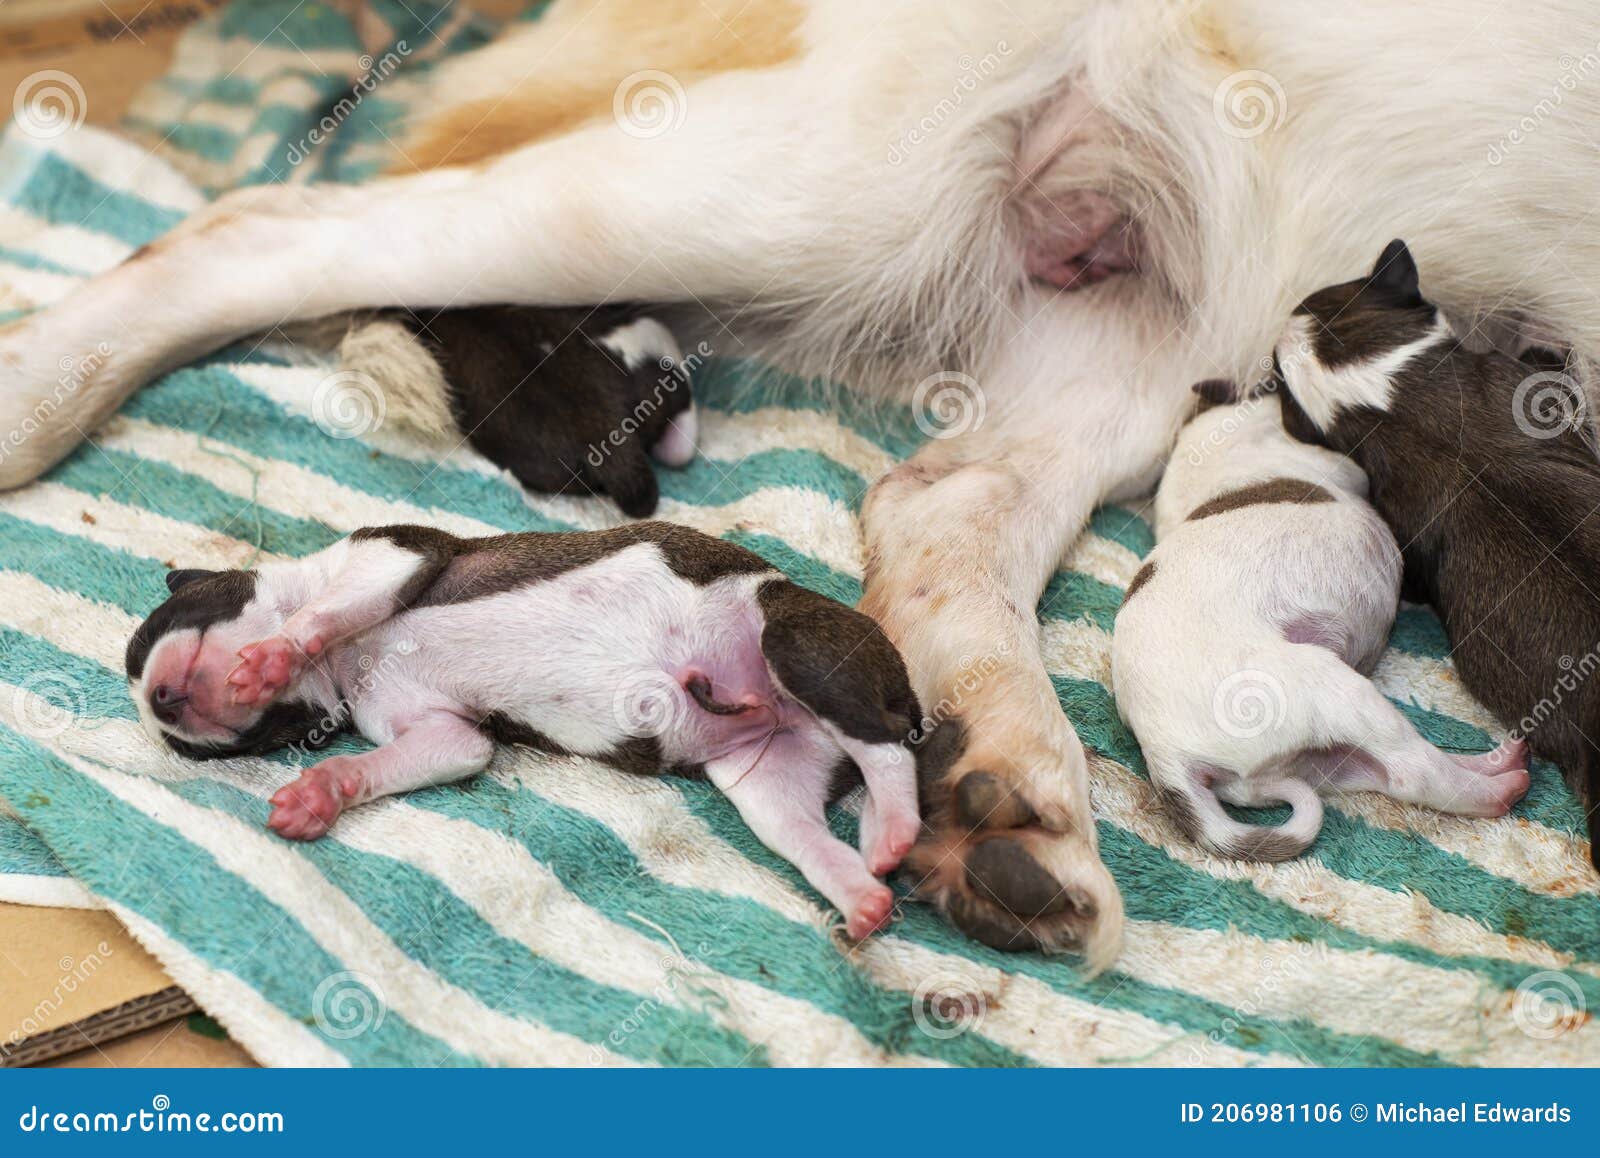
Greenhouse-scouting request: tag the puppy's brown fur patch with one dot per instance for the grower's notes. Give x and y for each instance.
(593, 46)
(1272, 490)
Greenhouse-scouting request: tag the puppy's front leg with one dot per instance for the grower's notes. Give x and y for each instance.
(349, 588)
(781, 793)
(433, 749)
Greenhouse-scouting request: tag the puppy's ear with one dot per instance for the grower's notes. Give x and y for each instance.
(1214, 392)
(1396, 273)
(182, 577)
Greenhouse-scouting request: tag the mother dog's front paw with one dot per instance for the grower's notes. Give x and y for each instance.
(1005, 855)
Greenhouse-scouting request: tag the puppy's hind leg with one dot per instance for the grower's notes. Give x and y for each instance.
(781, 793)
(1371, 746)
(840, 665)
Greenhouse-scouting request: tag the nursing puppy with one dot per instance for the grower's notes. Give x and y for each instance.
(1492, 494)
(1237, 657)
(650, 646)
(568, 400)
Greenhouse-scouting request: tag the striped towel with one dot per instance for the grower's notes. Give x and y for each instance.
(556, 911)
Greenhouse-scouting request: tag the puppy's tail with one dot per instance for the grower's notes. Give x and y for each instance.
(1201, 815)
(387, 355)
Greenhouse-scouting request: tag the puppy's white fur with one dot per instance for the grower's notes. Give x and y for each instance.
(1238, 661)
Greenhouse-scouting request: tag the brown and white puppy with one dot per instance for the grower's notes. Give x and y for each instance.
(1493, 505)
(573, 401)
(1240, 652)
(650, 646)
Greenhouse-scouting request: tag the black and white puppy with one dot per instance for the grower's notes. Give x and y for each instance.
(572, 401)
(1239, 652)
(650, 646)
(1494, 507)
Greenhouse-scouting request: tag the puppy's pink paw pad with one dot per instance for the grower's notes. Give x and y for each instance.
(893, 844)
(307, 808)
(870, 914)
(265, 669)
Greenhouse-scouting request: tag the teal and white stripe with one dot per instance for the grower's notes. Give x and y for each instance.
(558, 911)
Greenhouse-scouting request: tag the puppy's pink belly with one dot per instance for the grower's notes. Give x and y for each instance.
(1082, 240)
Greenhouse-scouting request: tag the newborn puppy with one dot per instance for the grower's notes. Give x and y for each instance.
(650, 646)
(568, 400)
(1494, 507)
(1238, 654)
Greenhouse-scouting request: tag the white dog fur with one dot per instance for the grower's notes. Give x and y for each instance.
(1238, 658)
(868, 199)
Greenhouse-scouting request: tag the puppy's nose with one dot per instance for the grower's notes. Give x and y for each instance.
(167, 703)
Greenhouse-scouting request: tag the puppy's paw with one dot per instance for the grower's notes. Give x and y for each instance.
(266, 668)
(307, 808)
(869, 913)
(1004, 851)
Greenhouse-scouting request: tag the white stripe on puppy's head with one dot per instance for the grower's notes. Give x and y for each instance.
(1345, 343)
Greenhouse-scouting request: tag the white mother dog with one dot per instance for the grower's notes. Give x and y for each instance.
(890, 191)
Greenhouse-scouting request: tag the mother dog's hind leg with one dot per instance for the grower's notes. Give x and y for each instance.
(961, 540)
(594, 216)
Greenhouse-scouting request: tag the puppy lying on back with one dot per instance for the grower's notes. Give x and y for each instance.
(571, 401)
(1495, 508)
(1237, 657)
(649, 646)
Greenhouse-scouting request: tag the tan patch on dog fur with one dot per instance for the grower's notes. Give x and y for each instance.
(593, 46)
